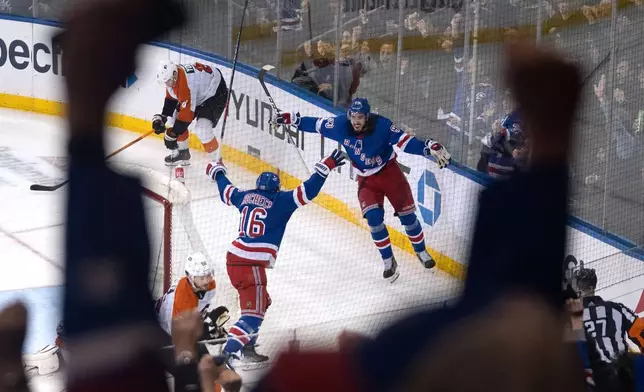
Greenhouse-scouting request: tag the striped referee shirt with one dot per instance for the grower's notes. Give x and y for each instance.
(607, 324)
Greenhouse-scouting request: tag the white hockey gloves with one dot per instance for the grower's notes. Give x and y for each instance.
(287, 119)
(436, 150)
(215, 167)
(330, 162)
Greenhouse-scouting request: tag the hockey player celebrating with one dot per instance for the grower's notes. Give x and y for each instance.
(265, 213)
(193, 92)
(368, 139)
(196, 290)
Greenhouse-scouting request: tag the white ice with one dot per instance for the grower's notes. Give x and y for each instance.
(328, 274)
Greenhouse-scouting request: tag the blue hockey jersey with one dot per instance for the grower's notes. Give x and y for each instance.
(368, 151)
(264, 216)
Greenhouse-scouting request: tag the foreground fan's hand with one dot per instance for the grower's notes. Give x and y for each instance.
(215, 167)
(187, 328)
(436, 150)
(330, 162)
(547, 89)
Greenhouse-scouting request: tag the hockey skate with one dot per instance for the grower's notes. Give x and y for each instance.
(391, 270)
(426, 259)
(251, 356)
(178, 157)
(246, 359)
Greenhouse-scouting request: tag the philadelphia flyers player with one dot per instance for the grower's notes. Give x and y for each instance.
(265, 212)
(193, 92)
(368, 139)
(194, 291)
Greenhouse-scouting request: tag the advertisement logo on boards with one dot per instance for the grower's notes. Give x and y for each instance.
(257, 113)
(19, 55)
(429, 198)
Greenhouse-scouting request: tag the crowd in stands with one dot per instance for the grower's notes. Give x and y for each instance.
(435, 79)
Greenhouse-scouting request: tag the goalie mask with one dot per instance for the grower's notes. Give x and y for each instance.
(199, 271)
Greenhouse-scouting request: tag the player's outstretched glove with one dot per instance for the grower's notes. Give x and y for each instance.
(329, 163)
(158, 123)
(436, 150)
(287, 119)
(215, 167)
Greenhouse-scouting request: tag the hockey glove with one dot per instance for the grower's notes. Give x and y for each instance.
(287, 119)
(214, 322)
(328, 163)
(436, 150)
(158, 123)
(215, 167)
(170, 140)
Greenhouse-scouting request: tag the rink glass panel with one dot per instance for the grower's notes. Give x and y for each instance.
(431, 55)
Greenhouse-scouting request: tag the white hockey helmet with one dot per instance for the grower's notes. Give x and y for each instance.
(197, 265)
(167, 71)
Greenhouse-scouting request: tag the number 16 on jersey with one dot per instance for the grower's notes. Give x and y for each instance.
(251, 224)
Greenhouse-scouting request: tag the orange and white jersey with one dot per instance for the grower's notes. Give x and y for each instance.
(179, 298)
(196, 83)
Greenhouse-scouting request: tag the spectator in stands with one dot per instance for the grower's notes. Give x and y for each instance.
(504, 151)
(364, 62)
(623, 134)
(320, 74)
(311, 68)
(387, 59)
(349, 76)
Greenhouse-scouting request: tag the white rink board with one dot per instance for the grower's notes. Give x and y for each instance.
(450, 233)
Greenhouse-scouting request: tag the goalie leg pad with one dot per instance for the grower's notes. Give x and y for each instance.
(379, 233)
(414, 230)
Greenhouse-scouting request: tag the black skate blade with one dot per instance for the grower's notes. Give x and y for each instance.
(177, 163)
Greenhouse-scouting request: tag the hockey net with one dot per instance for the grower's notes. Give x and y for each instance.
(172, 233)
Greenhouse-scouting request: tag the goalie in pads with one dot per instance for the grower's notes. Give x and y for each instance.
(193, 92)
(196, 290)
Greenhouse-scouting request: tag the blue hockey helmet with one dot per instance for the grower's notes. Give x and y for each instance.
(359, 105)
(268, 181)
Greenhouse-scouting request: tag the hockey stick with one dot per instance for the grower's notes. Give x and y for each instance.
(265, 69)
(232, 78)
(51, 188)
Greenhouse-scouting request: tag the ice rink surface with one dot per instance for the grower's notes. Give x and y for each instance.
(328, 275)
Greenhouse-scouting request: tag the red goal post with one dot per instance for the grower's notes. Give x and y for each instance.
(173, 234)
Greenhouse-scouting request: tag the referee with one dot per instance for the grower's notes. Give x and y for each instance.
(608, 327)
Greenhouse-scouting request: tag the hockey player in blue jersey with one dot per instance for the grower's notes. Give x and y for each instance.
(368, 140)
(265, 212)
